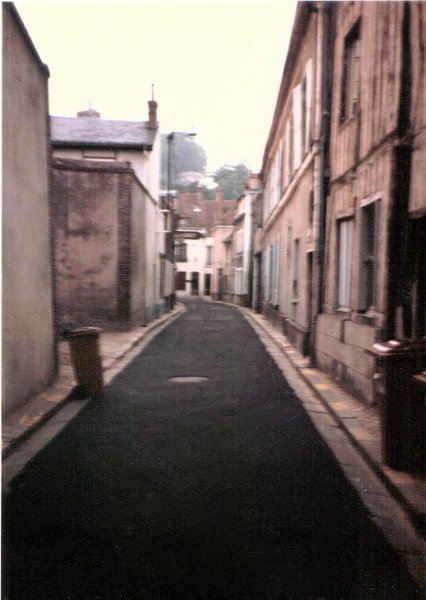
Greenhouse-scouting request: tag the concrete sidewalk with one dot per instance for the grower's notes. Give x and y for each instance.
(116, 350)
(361, 425)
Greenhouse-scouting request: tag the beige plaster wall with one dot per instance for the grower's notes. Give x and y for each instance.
(28, 332)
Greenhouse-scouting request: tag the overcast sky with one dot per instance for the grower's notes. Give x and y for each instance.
(216, 65)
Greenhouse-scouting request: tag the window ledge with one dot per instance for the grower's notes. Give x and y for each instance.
(343, 311)
(368, 318)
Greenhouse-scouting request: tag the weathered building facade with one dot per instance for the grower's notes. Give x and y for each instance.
(374, 281)
(244, 227)
(293, 179)
(196, 250)
(29, 347)
(100, 262)
(109, 238)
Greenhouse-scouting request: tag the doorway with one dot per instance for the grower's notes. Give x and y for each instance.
(194, 284)
(207, 284)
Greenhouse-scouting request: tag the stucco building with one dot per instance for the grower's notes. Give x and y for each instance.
(375, 243)
(293, 175)
(244, 228)
(195, 246)
(28, 326)
(109, 229)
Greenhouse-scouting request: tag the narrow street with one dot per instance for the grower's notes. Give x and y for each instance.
(215, 486)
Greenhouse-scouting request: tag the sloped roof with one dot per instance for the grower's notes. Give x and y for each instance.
(95, 132)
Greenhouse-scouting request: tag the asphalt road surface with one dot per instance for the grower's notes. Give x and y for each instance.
(213, 489)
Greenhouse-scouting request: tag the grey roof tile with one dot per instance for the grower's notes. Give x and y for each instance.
(89, 131)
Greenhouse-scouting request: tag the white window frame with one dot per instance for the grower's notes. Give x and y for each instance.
(297, 126)
(309, 79)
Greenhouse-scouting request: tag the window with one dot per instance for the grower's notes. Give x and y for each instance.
(290, 161)
(303, 119)
(289, 267)
(297, 129)
(238, 281)
(351, 75)
(180, 280)
(287, 173)
(345, 234)
(283, 179)
(275, 177)
(368, 255)
(209, 256)
(180, 253)
(271, 270)
(296, 269)
(311, 208)
(308, 101)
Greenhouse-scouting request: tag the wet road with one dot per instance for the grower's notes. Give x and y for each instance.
(218, 488)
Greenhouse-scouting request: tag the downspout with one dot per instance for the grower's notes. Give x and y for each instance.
(324, 162)
(398, 314)
(326, 85)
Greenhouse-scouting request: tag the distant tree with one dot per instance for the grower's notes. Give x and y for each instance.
(232, 179)
(186, 156)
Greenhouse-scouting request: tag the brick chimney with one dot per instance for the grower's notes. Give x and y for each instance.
(152, 111)
(152, 118)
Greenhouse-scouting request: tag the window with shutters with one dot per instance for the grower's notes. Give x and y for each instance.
(180, 253)
(368, 255)
(350, 93)
(272, 272)
(344, 261)
(180, 280)
(297, 126)
(290, 152)
(303, 119)
(296, 259)
(308, 105)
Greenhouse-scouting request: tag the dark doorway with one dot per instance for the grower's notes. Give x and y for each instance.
(194, 283)
(207, 284)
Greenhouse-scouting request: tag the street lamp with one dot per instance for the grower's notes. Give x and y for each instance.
(170, 250)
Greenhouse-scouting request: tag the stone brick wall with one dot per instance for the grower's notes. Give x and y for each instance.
(92, 211)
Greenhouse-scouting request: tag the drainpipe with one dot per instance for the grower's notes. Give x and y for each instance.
(324, 161)
(398, 314)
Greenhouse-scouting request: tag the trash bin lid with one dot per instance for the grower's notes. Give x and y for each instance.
(82, 332)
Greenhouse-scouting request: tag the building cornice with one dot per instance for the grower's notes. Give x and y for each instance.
(302, 19)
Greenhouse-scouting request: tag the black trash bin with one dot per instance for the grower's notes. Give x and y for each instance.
(401, 403)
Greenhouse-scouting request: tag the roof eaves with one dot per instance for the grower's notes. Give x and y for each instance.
(101, 145)
(301, 21)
